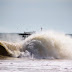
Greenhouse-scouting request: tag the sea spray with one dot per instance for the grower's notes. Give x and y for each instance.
(49, 45)
(43, 45)
(10, 37)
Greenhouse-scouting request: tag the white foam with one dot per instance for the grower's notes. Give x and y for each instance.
(49, 44)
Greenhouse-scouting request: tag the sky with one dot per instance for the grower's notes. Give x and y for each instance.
(18, 16)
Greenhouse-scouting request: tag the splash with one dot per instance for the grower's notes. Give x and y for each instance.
(10, 49)
(10, 44)
(49, 45)
(43, 45)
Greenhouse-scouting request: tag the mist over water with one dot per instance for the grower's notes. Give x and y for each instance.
(42, 45)
(10, 37)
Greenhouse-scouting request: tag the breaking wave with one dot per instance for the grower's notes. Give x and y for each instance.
(43, 45)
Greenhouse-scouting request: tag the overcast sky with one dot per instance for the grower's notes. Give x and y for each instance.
(30, 15)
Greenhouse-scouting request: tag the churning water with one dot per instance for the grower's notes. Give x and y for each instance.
(42, 45)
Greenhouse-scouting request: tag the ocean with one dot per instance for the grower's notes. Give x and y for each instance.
(43, 51)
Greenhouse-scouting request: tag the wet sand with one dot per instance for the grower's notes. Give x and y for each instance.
(30, 65)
